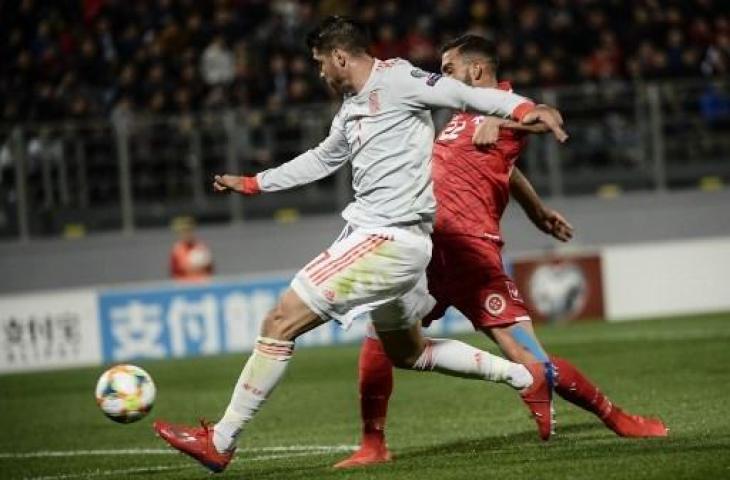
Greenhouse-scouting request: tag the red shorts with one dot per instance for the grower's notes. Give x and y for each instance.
(467, 273)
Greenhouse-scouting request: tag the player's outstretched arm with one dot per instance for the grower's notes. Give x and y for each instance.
(548, 116)
(420, 89)
(487, 133)
(544, 217)
(310, 166)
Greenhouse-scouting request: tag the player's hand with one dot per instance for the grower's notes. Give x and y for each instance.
(487, 132)
(234, 183)
(553, 223)
(226, 183)
(550, 117)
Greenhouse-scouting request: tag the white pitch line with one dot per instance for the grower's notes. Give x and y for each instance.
(108, 473)
(304, 448)
(168, 451)
(290, 455)
(84, 453)
(161, 468)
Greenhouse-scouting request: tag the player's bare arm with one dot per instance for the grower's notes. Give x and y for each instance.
(487, 133)
(550, 117)
(542, 216)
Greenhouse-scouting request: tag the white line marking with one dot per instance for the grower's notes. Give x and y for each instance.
(84, 453)
(290, 455)
(168, 451)
(304, 448)
(314, 450)
(107, 473)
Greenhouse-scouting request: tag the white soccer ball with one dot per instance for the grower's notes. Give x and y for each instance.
(125, 393)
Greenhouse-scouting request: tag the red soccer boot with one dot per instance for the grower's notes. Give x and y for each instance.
(371, 452)
(539, 399)
(196, 442)
(627, 425)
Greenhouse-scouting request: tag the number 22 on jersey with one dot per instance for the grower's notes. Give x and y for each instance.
(456, 126)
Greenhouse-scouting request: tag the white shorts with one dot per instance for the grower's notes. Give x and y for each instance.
(377, 273)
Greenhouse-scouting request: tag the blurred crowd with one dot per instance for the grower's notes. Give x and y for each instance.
(91, 58)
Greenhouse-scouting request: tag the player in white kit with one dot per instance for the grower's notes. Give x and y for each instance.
(377, 265)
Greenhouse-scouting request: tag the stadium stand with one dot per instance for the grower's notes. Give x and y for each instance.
(172, 90)
(78, 59)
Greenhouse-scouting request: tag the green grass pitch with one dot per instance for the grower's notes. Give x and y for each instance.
(439, 427)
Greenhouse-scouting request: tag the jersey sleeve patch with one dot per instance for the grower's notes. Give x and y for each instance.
(431, 78)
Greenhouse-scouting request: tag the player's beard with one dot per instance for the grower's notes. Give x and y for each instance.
(337, 86)
(468, 80)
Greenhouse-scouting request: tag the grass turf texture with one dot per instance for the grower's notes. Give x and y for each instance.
(438, 427)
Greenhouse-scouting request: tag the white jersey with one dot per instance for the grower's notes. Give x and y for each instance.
(386, 132)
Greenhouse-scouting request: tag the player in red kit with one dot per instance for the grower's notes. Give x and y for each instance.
(473, 173)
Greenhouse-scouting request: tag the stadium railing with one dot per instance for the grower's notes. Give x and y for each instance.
(133, 171)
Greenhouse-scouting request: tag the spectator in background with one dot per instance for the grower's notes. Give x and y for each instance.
(387, 43)
(278, 78)
(715, 105)
(190, 258)
(79, 58)
(419, 46)
(217, 63)
(717, 56)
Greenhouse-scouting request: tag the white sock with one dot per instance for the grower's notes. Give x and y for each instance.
(458, 359)
(263, 371)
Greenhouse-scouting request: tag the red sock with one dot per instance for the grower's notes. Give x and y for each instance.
(578, 390)
(376, 385)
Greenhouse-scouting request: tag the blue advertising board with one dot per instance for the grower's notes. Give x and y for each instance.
(180, 321)
(169, 321)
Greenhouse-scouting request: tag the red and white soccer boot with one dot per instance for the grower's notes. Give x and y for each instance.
(539, 399)
(196, 442)
(635, 426)
(369, 453)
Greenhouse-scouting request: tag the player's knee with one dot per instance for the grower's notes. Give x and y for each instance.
(278, 324)
(289, 318)
(404, 360)
(403, 348)
(404, 363)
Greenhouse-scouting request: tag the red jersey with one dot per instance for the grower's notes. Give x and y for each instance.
(471, 184)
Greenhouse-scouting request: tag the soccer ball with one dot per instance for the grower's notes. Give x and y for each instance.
(125, 393)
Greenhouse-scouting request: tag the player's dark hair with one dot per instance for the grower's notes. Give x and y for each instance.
(339, 32)
(474, 45)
